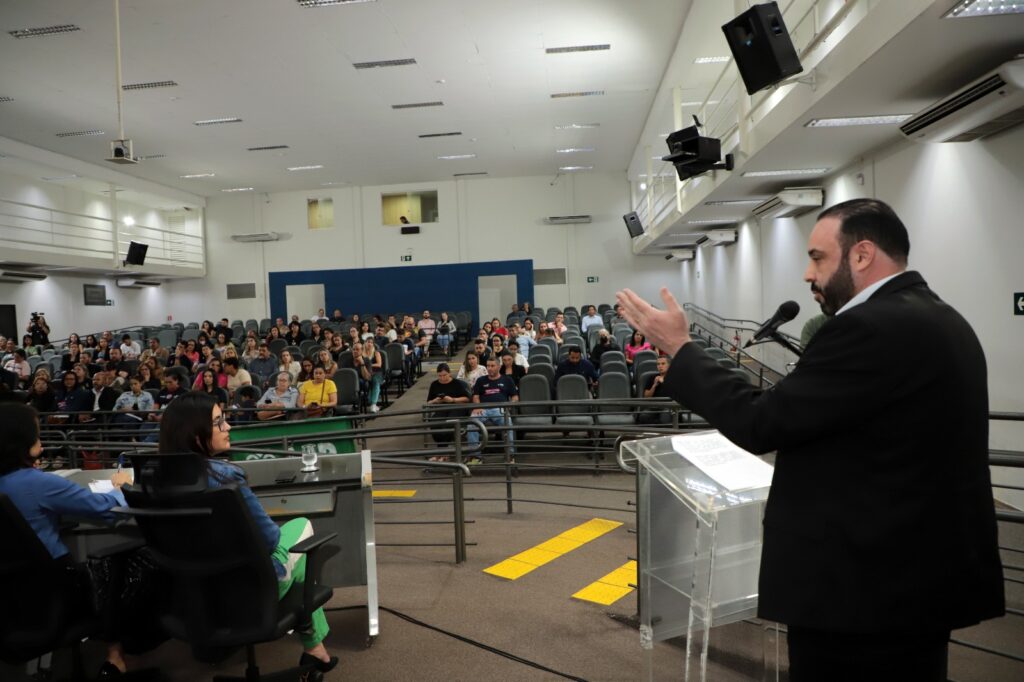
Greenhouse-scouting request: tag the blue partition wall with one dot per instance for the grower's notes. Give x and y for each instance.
(411, 288)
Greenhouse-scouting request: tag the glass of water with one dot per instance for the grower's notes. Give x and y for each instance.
(309, 457)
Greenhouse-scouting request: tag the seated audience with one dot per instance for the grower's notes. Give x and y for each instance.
(480, 347)
(338, 346)
(497, 345)
(428, 326)
(445, 333)
(154, 350)
(319, 395)
(509, 367)
(273, 334)
(208, 385)
(605, 342)
(445, 390)
(294, 336)
(41, 395)
(146, 377)
(324, 359)
(81, 371)
(43, 498)
(279, 397)
(591, 318)
(558, 325)
(364, 331)
(131, 402)
(636, 344)
(370, 366)
(655, 388)
(221, 343)
(29, 347)
(519, 358)
(316, 333)
(236, 376)
(264, 366)
(471, 369)
(492, 388)
(197, 424)
(222, 328)
(103, 395)
(528, 331)
(337, 317)
(575, 363)
(289, 365)
(498, 328)
(250, 351)
(246, 403)
(130, 349)
(18, 364)
(305, 371)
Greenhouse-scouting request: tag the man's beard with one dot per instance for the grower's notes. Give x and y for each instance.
(838, 290)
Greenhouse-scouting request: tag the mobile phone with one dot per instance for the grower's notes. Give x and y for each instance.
(284, 477)
(267, 401)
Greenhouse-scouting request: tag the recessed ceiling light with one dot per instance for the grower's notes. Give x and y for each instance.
(57, 178)
(267, 148)
(578, 126)
(578, 48)
(79, 133)
(790, 171)
(454, 157)
(715, 221)
(711, 60)
(150, 85)
(128, 220)
(6, 99)
(734, 202)
(573, 150)
(983, 8)
(215, 121)
(328, 3)
(191, 176)
(426, 135)
(417, 105)
(570, 169)
(304, 168)
(384, 63)
(238, 189)
(44, 31)
(466, 175)
(582, 93)
(841, 121)
(695, 103)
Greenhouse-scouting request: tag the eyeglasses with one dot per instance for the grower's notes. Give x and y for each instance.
(220, 423)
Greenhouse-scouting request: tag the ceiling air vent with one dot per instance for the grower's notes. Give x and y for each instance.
(79, 133)
(149, 86)
(384, 63)
(567, 219)
(582, 93)
(267, 148)
(417, 105)
(424, 136)
(44, 31)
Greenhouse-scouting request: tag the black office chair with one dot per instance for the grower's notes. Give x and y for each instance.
(223, 584)
(44, 602)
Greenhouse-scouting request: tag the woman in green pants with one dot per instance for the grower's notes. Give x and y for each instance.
(195, 423)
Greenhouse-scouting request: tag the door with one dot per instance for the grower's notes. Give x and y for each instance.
(304, 299)
(496, 295)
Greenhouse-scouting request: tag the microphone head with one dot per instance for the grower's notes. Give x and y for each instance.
(788, 310)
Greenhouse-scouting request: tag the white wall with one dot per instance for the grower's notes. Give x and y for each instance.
(963, 205)
(480, 220)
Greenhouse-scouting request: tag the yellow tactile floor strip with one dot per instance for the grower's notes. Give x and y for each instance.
(612, 587)
(518, 565)
(394, 493)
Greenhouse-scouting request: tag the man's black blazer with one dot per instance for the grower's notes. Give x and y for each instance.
(880, 516)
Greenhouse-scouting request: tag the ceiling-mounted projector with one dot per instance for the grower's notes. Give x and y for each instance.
(121, 152)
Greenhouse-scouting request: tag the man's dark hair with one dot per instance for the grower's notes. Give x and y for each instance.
(126, 337)
(443, 367)
(230, 362)
(871, 220)
(21, 430)
(574, 349)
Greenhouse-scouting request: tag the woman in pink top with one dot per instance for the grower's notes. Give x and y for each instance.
(635, 345)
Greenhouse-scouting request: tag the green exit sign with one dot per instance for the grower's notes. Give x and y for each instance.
(1018, 303)
(407, 259)
(593, 280)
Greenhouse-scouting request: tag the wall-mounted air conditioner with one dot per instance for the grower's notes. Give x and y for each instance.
(683, 254)
(790, 202)
(567, 219)
(984, 107)
(128, 283)
(256, 237)
(717, 238)
(16, 276)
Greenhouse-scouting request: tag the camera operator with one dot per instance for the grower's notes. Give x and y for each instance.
(39, 330)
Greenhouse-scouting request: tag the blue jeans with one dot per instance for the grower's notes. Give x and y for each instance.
(373, 387)
(493, 416)
(444, 340)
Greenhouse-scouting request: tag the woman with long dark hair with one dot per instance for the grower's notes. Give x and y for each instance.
(43, 498)
(195, 423)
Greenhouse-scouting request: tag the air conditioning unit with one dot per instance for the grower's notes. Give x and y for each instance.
(683, 254)
(567, 219)
(717, 238)
(791, 202)
(128, 283)
(256, 237)
(986, 106)
(21, 276)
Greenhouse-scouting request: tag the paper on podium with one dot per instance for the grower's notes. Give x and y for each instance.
(101, 486)
(725, 463)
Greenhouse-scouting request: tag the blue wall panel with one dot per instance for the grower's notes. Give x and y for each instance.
(411, 288)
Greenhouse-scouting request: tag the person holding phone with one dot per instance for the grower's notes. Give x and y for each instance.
(319, 395)
(278, 398)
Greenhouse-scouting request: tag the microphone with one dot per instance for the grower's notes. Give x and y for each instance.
(786, 312)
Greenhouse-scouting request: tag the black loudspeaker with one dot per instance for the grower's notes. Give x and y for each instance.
(633, 224)
(136, 253)
(761, 46)
(410, 229)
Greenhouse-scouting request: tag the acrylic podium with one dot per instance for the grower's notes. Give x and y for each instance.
(699, 550)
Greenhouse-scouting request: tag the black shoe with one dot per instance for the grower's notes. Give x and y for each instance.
(108, 671)
(318, 665)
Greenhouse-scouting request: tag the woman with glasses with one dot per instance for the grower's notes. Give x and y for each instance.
(319, 395)
(288, 364)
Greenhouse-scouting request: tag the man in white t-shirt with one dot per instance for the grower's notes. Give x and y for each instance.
(130, 349)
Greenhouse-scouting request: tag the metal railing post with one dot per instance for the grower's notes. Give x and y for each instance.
(506, 437)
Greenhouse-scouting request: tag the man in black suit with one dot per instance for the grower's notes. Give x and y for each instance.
(879, 531)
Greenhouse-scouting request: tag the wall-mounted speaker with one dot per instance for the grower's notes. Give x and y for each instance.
(410, 229)
(136, 253)
(762, 47)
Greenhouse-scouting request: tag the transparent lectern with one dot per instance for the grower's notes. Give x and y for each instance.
(699, 551)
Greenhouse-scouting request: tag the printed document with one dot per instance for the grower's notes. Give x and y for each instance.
(726, 464)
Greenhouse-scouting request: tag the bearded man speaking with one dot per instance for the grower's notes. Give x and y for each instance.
(879, 531)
